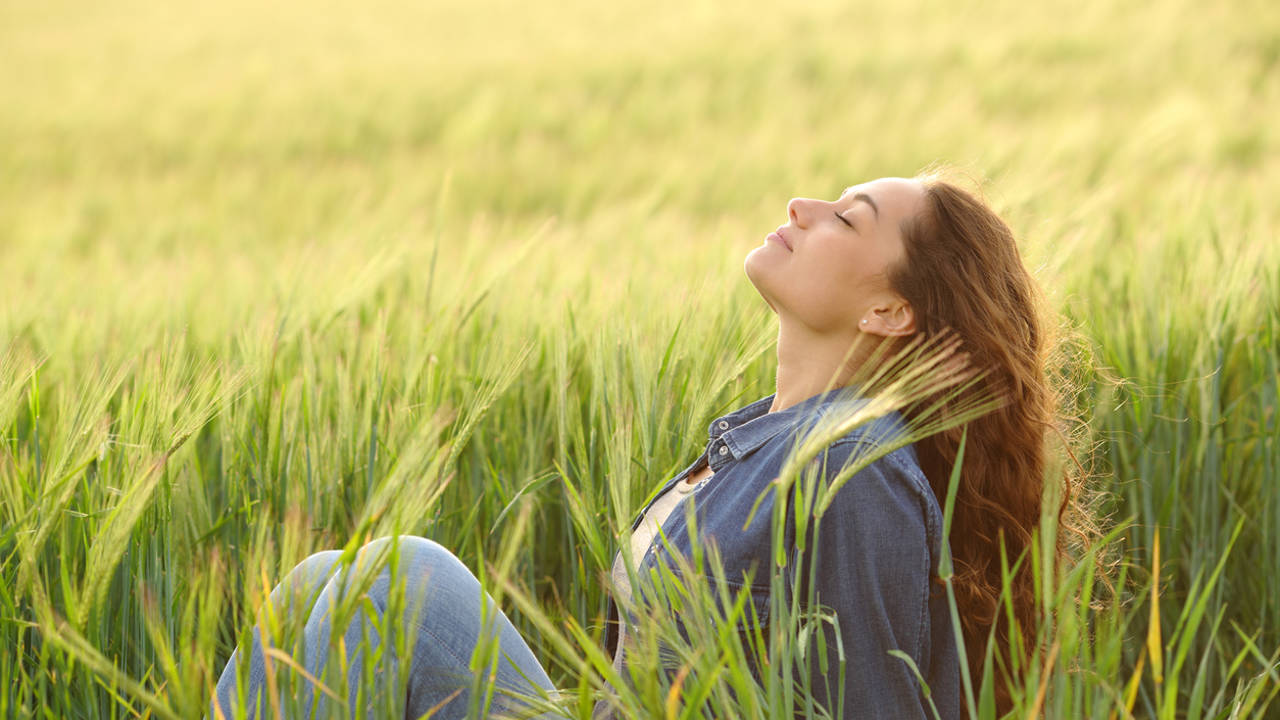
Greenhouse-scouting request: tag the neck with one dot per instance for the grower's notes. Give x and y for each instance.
(810, 363)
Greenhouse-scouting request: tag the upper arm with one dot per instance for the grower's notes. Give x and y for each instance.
(869, 562)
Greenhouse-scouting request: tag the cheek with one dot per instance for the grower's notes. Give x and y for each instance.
(826, 304)
(831, 291)
(820, 288)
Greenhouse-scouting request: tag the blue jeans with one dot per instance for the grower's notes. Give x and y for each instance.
(443, 615)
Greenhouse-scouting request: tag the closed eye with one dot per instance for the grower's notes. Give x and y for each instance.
(842, 219)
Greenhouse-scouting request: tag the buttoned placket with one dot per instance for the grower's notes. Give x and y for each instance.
(724, 447)
(718, 455)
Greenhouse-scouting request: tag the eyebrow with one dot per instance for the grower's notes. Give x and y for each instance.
(867, 199)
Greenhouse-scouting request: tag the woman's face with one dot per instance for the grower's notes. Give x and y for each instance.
(828, 267)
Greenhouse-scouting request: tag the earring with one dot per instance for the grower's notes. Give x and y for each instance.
(864, 321)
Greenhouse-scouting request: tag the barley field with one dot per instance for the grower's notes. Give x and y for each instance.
(283, 277)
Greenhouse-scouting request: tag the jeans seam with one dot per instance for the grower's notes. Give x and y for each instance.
(443, 644)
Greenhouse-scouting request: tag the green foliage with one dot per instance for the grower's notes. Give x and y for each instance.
(281, 278)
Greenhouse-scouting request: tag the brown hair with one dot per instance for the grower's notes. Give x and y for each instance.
(962, 273)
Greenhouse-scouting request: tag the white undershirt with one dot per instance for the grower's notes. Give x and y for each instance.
(641, 539)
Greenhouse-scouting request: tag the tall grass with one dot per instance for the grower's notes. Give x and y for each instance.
(280, 279)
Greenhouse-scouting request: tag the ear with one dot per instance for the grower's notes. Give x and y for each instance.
(891, 318)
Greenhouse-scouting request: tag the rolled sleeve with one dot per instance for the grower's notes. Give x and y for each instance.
(871, 563)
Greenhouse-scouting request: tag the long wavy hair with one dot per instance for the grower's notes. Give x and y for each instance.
(962, 273)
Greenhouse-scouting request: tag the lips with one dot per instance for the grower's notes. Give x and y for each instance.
(782, 239)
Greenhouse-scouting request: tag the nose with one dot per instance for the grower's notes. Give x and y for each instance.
(799, 210)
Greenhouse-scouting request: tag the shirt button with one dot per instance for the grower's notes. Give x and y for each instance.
(724, 450)
(724, 425)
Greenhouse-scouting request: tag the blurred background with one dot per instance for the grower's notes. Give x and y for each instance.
(159, 135)
(221, 223)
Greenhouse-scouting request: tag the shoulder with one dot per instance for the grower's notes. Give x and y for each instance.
(876, 480)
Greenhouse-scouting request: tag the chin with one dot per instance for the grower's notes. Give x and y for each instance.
(756, 263)
(757, 274)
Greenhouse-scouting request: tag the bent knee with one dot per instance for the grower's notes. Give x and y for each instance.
(315, 566)
(304, 581)
(415, 554)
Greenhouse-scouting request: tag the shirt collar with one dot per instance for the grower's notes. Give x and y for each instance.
(744, 430)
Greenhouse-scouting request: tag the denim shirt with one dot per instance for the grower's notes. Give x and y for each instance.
(875, 557)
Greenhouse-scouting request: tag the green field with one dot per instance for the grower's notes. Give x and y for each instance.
(278, 277)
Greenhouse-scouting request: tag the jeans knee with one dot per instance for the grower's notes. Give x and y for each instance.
(427, 552)
(417, 556)
(315, 567)
(299, 588)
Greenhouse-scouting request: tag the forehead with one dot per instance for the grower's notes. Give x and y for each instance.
(895, 198)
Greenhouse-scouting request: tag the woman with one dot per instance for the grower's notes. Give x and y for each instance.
(888, 261)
